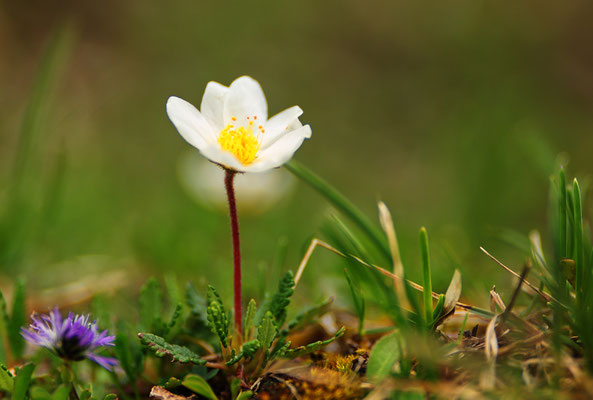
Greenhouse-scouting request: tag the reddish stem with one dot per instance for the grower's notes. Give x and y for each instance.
(230, 191)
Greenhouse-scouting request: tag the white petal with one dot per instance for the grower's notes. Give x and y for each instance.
(215, 154)
(190, 123)
(281, 151)
(245, 98)
(213, 104)
(279, 124)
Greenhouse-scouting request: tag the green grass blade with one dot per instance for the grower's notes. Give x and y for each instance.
(342, 204)
(578, 255)
(426, 276)
(18, 319)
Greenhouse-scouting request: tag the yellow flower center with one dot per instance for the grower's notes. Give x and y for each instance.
(242, 142)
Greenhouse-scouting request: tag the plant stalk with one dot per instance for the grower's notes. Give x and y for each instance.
(230, 191)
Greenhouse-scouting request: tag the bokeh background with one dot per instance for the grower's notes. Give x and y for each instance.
(454, 114)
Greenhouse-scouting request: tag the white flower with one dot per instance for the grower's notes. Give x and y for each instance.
(232, 128)
(257, 192)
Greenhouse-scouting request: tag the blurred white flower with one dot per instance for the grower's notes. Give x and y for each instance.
(232, 128)
(256, 192)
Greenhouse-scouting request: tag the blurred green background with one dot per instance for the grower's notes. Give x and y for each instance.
(454, 114)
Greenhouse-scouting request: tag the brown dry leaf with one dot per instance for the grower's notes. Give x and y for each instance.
(453, 292)
(496, 300)
(488, 376)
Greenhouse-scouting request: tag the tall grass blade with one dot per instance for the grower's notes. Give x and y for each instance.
(426, 276)
(342, 204)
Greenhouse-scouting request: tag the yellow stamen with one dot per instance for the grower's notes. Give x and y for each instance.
(240, 142)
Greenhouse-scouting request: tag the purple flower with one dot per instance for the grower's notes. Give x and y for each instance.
(72, 339)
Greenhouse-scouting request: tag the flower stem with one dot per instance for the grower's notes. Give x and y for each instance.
(230, 191)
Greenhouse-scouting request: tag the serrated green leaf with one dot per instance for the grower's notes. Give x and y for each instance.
(150, 304)
(197, 384)
(22, 382)
(61, 393)
(279, 349)
(384, 355)
(247, 351)
(248, 320)
(6, 380)
(217, 316)
(18, 319)
(266, 332)
(312, 347)
(307, 316)
(162, 348)
(281, 298)
(196, 303)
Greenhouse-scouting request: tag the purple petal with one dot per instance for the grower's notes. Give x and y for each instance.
(106, 362)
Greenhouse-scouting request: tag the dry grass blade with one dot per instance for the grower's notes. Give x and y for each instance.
(159, 393)
(398, 268)
(316, 242)
(545, 296)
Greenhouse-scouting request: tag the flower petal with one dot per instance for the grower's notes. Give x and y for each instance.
(219, 156)
(279, 124)
(281, 151)
(106, 362)
(245, 98)
(213, 104)
(190, 123)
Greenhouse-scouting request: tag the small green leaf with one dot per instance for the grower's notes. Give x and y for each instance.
(312, 347)
(61, 393)
(85, 394)
(151, 303)
(217, 316)
(248, 320)
(245, 395)
(6, 380)
(162, 348)
(384, 355)
(172, 382)
(18, 319)
(110, 396)
(235, 387)
(247, 351)
(197, 384)
(266, 331)
(281, 298)
(22, 382)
